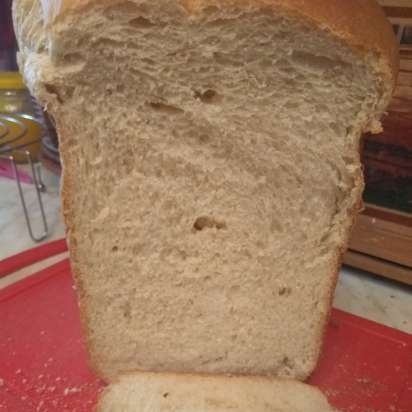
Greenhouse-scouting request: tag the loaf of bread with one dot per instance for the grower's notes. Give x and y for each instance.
(211, 169)
(151, 392)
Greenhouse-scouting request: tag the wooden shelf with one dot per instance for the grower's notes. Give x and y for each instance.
(379, 267)
(381, 243)
(396, 3)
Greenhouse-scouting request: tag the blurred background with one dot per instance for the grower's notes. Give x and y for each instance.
(7, 41)
(29, 157)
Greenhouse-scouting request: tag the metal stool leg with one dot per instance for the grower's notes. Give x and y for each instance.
(39, 187)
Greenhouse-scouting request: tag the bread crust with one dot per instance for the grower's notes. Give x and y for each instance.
(202, 381)
(343, 19)
(361, 24)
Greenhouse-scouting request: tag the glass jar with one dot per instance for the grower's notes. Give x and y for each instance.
(21, 119)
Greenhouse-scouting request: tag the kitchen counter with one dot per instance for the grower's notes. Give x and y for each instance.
(359, 293)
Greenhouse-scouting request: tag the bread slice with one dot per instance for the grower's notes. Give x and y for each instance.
(151, 392)
(211, 169)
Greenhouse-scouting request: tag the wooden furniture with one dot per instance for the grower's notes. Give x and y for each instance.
(381, 242)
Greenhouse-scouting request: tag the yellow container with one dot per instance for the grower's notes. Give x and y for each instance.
(20, 118)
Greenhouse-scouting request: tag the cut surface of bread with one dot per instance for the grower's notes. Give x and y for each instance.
(211, 169)
(151, 392)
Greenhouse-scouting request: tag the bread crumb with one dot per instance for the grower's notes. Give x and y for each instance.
(68, 391)
(41, 389)
(39, 406)
(364, 381)
(332, 392)
(18, 371)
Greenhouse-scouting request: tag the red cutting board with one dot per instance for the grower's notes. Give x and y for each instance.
(365, 367)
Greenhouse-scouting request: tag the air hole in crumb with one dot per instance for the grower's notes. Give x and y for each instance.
(73, 58)
(41, 48)
(287, 362)
(53, 91)
(225, 59)
(325, 237)
(69, 92)
(208, 96)
(219, 22)
(210, 10)
(291, 105)
(349, 160)
(166, 394)
(140, 23)
(323, 251)
(165, 108)
(120, 88)
(115, 248)
(314, 62)
(127, 311)
(284, 291)
(148, 61)
(205, 222)
(204, 138)
(335, 127)
(349, 130)
(276, 225)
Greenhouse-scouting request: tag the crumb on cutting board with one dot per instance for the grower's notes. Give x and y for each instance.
(68, 391)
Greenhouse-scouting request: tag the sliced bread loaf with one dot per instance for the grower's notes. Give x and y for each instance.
(151, 392)
(211, 169)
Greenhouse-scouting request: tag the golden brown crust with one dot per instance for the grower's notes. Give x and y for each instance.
(360, 23)
(352, 214)
(66, 190)
(199, 385)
